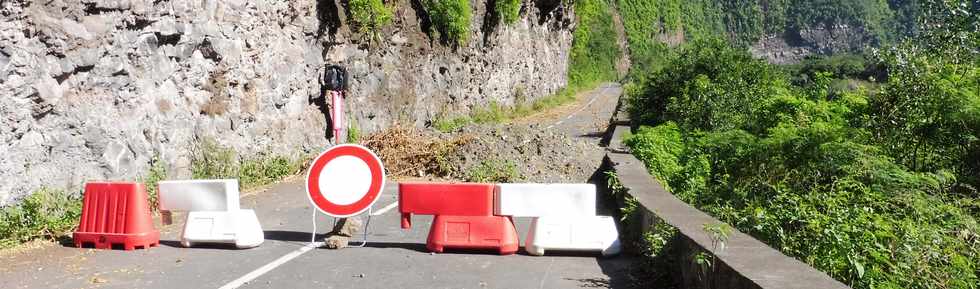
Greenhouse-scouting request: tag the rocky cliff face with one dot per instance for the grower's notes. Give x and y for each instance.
(793, 46)
(96, 89)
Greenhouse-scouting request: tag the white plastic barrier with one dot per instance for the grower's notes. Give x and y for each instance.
(579, 233)
(563, 217)
(213, 214)
(536, 200)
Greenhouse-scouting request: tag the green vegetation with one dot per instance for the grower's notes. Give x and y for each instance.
(494, 171)
(444, 124)
(838, 66)
(654, 244)
(369, 16)
(51, 214)
(45, 214)
(496, 113)
(157, 173)
(594, 50)
(353, 130)
(875, 185)
(451, 19)
(594, 54)
(744, 21)
(509, 11)
(212, 161)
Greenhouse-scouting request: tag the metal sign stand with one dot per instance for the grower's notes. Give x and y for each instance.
(339, 122)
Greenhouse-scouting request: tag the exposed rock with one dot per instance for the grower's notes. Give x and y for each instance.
(95, 89)
(792, 47)
(342, 232)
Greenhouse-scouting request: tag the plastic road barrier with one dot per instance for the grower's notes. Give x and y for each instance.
(473, 232)
(116, 215)
(535, 200)
(463, 216)
(581, 233)
(564, 217)
(213, 214)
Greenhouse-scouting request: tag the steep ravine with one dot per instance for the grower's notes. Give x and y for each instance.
(96, 89)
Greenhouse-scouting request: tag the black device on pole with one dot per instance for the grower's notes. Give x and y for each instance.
(335, 78)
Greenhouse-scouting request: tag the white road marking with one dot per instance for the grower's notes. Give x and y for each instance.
(268, 267)
(546, 272)
(595, 96)
(385, 209)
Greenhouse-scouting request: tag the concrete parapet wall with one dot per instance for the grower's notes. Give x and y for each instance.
(742, 262)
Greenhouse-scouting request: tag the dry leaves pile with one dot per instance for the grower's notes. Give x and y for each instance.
(408, 152)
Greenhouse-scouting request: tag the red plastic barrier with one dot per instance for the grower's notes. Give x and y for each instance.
(473, 232)
(116, 215)
(463, 216)
(462, 199)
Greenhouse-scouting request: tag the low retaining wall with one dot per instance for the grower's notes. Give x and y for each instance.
(743, 261)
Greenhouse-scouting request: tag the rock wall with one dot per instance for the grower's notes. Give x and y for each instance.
(793, 46)
(97, 89)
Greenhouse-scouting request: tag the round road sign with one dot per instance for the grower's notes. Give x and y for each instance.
(345, 180)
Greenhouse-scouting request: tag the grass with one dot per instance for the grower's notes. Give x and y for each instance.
(494, 171)
(509, 11)
(213, 161)
(353, 130)
(157, 173)
(369, 16)
(45, 214)
(497, 113)
(50, 214)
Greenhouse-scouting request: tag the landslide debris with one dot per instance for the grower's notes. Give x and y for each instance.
(486, 153)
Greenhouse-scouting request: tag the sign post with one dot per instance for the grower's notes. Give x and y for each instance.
(345, 181)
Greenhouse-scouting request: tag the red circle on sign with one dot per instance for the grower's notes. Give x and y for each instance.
(338, 210)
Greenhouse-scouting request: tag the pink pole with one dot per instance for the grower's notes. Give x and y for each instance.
(337, 114)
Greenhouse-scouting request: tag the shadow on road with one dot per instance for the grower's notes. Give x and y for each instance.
(418, 247)
(291, 236)
(213, 246)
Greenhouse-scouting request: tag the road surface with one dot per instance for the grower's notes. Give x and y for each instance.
(393, 258)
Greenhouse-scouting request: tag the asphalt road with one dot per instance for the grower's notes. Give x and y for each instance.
(393, 258)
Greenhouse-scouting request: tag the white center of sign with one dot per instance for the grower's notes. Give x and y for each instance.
(345, 180)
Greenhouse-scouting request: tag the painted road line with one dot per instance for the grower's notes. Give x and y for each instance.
(595, 96)
(385, 209)
(268, 267)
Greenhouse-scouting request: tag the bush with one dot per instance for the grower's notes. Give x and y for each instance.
(45, 214)
(451, 19)
(213, 161)
(369, 15)
(509, 11)
(710, 85)
(859, 186)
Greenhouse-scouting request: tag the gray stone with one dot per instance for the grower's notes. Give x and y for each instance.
(49, 90)
(342, 232)
(131, 92)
